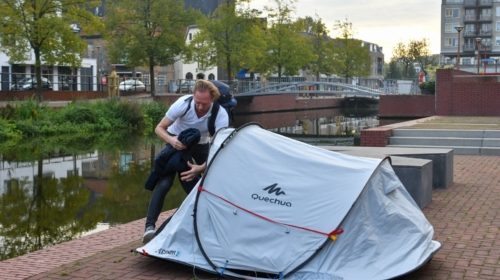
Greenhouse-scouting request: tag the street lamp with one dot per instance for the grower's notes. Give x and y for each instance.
(458, 28)
(496, 60)
(478, 40)
(98, 70)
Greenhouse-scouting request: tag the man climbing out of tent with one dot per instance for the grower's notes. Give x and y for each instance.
(186, 113)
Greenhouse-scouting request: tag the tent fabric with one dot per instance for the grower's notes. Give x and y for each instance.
(268, 205)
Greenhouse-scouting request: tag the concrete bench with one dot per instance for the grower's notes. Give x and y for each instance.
(420, 170)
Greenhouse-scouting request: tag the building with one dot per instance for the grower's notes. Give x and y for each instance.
(190, 71)
(480, 20)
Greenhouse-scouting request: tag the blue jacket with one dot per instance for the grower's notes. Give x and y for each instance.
(171, 160)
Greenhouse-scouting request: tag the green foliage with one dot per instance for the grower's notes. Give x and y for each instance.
(153, 114)
(414, 51)
(322, 47)
(430, 85)
(38, 26)
(232, 36)
(30, 118)
(353, 59)
(287, 50)
(146, 32)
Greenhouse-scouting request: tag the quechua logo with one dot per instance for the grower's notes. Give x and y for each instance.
(277, 191)
(272, 189)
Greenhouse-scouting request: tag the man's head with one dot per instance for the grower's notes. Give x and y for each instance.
(204, 94)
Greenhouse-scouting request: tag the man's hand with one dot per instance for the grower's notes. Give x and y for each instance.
(193, 172)
(178, 145)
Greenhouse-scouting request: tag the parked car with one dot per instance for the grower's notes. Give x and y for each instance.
(132, 85)
(186, 87)
(29, 83)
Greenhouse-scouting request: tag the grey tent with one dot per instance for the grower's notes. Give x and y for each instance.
(272, 207)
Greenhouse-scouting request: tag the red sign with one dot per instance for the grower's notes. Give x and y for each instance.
(104, 80)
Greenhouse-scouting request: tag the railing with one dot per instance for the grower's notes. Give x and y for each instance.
(485, 32)
(57, 82)
(470, 3)
(469, 47)
(485, 2)
(485, 17)
(470, 17)
(469, 33)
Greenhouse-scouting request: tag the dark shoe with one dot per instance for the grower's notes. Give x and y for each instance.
(149, 233)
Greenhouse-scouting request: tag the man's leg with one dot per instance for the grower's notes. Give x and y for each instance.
(156, 204)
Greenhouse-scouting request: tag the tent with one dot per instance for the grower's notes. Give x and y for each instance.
(272, 207)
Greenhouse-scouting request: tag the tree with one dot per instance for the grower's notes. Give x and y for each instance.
(322, 48)
(49, 28)
(287, 49)
(421, 52)
(393, 70)
(147, 32)
(232, 37)
(353, 59)
(414, 51)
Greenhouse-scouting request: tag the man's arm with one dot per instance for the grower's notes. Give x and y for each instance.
(161, 131)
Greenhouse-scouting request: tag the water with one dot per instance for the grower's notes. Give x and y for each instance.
(60, 188)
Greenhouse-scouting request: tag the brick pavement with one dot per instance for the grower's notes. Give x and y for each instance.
(465, 218)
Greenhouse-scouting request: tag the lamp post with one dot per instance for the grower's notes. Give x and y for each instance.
(459, 29)
(496, 60)
(478, 40)
(98, 70)
(484, 60)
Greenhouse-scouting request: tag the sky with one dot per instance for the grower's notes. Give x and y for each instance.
(382, 22)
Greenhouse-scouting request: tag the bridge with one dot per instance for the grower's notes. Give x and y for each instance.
(298, 88)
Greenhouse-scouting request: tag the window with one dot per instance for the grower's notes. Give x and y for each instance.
(486, 26)
(452, 13)
(450, 27)
(454, 1)
(146, 77)
(451, 42)
(497, 41)
(211, 77)
(466, 61)
(162, 78)
(190, 36)
(498, 11)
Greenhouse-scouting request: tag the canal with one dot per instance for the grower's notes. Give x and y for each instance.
(57, 189)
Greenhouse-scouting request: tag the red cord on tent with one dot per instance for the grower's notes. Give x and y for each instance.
(332, 234)
(144, 252)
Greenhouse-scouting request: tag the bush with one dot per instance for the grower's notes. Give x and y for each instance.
(430, 85)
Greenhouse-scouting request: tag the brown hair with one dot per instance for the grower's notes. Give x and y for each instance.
(203, 85)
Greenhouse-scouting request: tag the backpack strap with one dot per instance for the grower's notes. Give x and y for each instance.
(213, 115)
(189, 105)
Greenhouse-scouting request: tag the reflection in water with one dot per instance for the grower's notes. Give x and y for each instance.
(58, 188)
(50, 194)
(334, 126)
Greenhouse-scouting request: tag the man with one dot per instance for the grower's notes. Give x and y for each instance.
(185, 113)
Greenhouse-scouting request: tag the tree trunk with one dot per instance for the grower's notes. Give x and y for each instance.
(38, 74)
(152, 75)
(228, 65)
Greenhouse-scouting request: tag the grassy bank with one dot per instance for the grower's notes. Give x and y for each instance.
(31, 118)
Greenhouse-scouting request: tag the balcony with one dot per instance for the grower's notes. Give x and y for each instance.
(485, 3)
(470, 33)
(469, 18)
(469, 47)
(485, 17)
(470, 3)
(484, 33)
(485, 48)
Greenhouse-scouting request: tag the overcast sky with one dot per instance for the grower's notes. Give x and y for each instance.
(383, 22)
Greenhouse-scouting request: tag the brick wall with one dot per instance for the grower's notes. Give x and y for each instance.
(461, 93)
(376, 137)
(406, 105)
(283, 102)
(52, 95)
